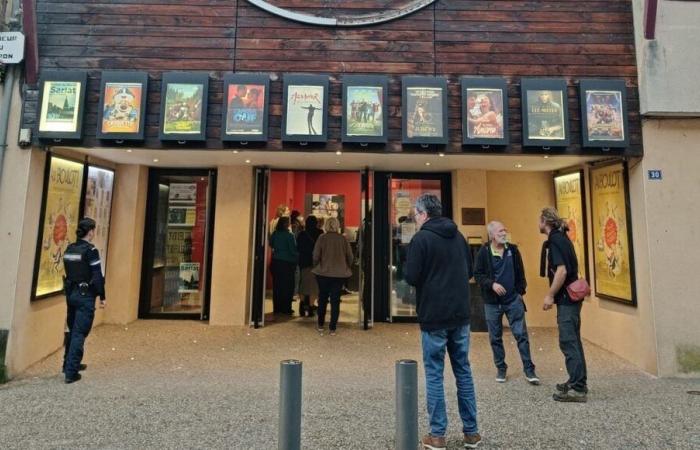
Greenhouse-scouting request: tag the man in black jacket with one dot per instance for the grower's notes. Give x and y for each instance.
(438, 265)
(500, 273)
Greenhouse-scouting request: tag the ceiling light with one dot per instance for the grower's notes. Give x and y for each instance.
(441, 155)
(128, 150)
(338, 153)
(155, 159)
(235, 151)
(247, 161)
(428, 163)
(337, 162)
(546, 157)
(518, 166)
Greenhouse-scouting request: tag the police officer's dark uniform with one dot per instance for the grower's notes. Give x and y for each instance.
(83, 282)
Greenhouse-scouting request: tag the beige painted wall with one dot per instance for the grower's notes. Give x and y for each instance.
(469, 191)
(516, 199)
(232, 237)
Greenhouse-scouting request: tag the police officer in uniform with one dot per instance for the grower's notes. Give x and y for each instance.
(83, 282)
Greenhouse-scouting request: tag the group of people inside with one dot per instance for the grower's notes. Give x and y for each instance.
(311, 258)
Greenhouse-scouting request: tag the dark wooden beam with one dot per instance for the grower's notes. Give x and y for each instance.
(650, 8)
(31, 47)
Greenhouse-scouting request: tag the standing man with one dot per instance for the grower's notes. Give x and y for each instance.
(82, 283)
(500, 273)
(438, 265)
(562, 270)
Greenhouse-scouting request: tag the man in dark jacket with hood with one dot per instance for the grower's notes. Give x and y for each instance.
(500, 273)
(438, 265)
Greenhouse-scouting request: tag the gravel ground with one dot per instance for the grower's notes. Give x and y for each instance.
(177, 384)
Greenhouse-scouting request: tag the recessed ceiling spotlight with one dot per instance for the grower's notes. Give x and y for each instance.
(441, 155)
(518, 166)
(546, 156)
(337, 162)
(128, 150)
(155, 160)
(247, 161)
(338, 153)
(235, 151)
(428, 163)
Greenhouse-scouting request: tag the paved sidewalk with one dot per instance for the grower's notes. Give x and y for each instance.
(176, 384)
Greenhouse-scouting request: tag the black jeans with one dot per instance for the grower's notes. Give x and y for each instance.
(81, 313)
(282, 285)
(569, 323)
(329, 287)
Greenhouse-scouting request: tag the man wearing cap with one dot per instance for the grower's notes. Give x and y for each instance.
(83, 282)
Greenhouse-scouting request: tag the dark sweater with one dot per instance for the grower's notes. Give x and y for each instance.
(485, 277)
(438, 265)
(284, 248)
(305, 243)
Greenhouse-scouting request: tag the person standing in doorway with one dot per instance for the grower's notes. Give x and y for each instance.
(562, 270)
(438, 265)
(83, 283)
(332, 261)
(308, 288)
(282, 267)
(500, 273)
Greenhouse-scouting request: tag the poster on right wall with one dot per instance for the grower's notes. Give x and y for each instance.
(612, 236)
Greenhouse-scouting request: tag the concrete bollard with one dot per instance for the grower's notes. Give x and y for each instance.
(406, 404)
(290, 405)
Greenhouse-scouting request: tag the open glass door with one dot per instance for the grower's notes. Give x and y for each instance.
(365, 247)
(259, 246)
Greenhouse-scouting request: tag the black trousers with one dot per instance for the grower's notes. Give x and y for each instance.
(282, 285)
(569, 323)
(329, 288)
(81, 313)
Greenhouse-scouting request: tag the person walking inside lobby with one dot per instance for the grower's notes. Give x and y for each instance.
(283, 266)
(438, 265)
(500, 273)
(332, 260)
(562, 270)
(83, 283)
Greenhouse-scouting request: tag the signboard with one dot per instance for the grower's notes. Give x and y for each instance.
(11, 47)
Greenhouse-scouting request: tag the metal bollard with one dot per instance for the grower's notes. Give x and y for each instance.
(290, 405)
(406, 404)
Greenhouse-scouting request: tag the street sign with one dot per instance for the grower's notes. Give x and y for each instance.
(11, 47)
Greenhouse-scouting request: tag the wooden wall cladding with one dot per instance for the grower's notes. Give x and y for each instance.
(572, 39)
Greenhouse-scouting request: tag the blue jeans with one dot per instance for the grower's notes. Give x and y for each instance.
(81, 313)
(569, 323)
(515, 313)
(456, 341)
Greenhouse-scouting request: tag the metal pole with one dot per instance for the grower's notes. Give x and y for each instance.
(290, 405)
(406, 404)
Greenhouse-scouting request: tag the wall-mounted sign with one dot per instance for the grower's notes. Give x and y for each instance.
(305, 108)
(61, 102)
(11, 47)
(365, 108)
(568, 191)
(245, 115)
(424, 108)
(655, 175)
(484, 111)
(604, 113)
(545, 112)
(183, 111)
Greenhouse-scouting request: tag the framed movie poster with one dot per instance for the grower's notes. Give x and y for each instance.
(61, 104)
(484, 111)
(305, 105)
(245, 115)
(424, 110)
(98, 206)
(122, 106)
(569, 190)
(545, 112)
(183, 106)
(365, 109)
(325, 206)
(612, 234)
(604, 113)
(60, 213)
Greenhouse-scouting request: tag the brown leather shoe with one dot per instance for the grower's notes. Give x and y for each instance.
(433, 442)
(472, 440)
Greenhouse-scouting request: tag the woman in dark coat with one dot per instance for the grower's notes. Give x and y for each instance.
(283, 265)
(308, 288)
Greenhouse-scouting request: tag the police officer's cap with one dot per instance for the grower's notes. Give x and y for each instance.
(84, 226)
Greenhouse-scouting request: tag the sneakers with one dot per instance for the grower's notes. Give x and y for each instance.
(472, 440)
(570, 396)
(70, 380)
(332, 333)
(433, 442)
(532, 377)
(501, 375)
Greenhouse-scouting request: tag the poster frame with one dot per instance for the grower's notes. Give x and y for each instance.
(545, 84)
(184, 78)
(584, 212)
(235, 78)
(604, 85)
(628, 217)
(123, 77)
(62, 75)
(308, 80)
(468, 82)
(426, 82)
(381, 81)
(111, 203)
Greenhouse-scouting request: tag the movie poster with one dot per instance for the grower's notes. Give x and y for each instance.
(305, 110)
(364, 111)
(59, 109)
(545, 115)
(484, 113)
(61, 216)
(569, 201)
(183, 109)
(324, 206)
(605, 119)
(98, 206)
(246, 106)
(181, 216)
(182, 193)
(424, 112)
(122, 107)
(189, 277)
(611, 249)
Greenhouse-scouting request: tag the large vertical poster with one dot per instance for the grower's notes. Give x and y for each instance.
(246, 107)
(98, 206)
(121, 112)
(425, 107)
(60, 106)
(612, 249)
(183, 108)
(569, 198)
(305, 110)
(59, 219)
(365, 111)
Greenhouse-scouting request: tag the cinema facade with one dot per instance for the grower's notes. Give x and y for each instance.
(181, 127)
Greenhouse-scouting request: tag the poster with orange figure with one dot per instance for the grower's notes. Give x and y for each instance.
(62, 194)
(569, 200)
(612, 241)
